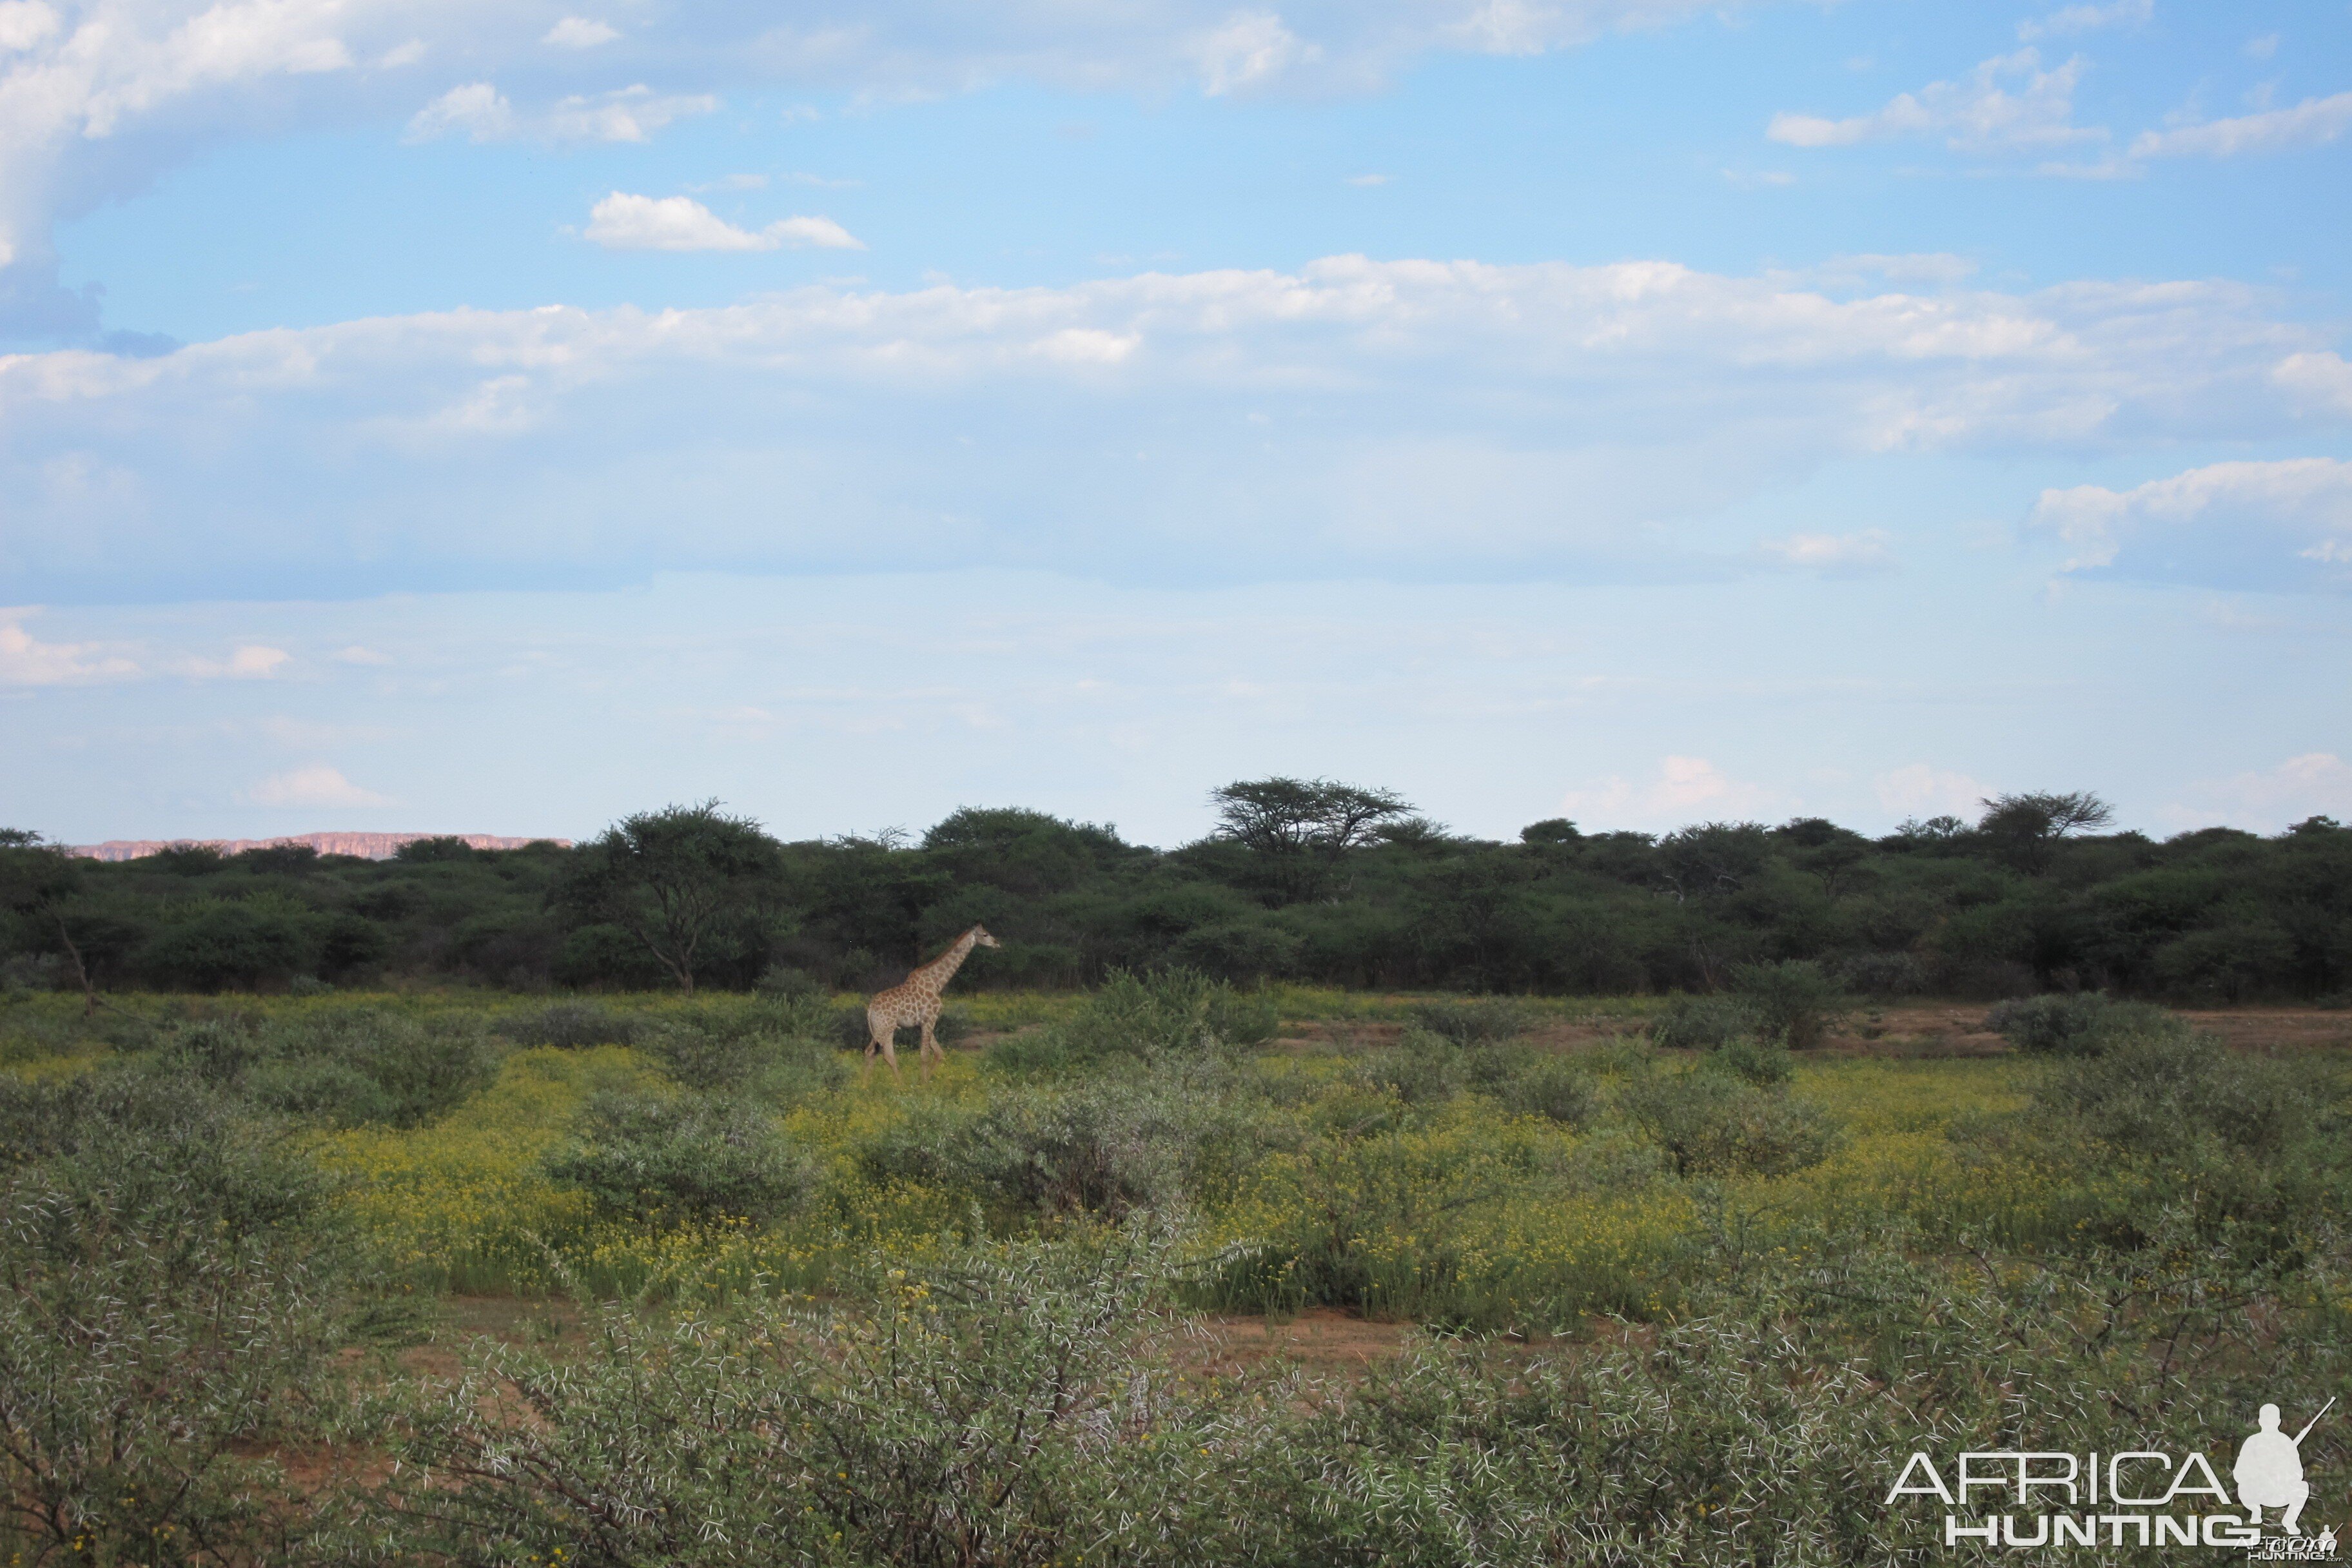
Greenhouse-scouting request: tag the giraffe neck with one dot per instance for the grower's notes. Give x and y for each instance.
(936, 974)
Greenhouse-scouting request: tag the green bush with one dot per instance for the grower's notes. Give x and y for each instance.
(1103, 1147)
(786, 1047)
(374, 1064)
(1556, 1087)
(1794, 1000)
(1164, 1015)
(2079, 1025)
(1710, 1124)
(785, 983)
(680, 1160)
(572, 1025)
(1421, 1068)
(1767, 1064)
(170, 1315)
(2163, 1091)
(992, 1410)
(1702, 1023)
(217, 943)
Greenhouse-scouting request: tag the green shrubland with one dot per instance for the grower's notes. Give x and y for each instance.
(1658, 1302)
(1300, 881)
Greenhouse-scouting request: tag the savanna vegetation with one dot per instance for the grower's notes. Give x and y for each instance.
(1687, 1293)
(1306, 881)
(531, 1208)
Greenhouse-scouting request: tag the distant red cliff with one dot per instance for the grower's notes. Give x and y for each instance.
(365, 845)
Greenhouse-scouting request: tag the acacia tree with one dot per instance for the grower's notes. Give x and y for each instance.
(37, 883)
(2024, 829)
(1302, 829)
(673, 879)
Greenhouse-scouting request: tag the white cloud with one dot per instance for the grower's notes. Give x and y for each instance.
(25, 660)
(478, 108)
(484, 114)
(2263, 48)
(2072, 19)
(631, 114)
(2008, 104)
(1922, 790)
(625, 222)
(252, 661)
(2322, 379)
(2313, 122)
(25, 23)
(1249, 50)
(811, 233)
(1420, 412)
(2295, 507)
(78, 73)
(1686, 790)
(579, 33)
(1368, 179)
(1859, 554)
(2317, 783)
(317, 785)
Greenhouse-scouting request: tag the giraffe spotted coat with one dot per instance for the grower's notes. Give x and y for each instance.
(915, 1000)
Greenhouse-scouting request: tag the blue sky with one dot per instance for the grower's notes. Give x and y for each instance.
(498, 417)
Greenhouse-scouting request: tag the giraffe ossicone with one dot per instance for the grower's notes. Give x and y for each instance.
(916, 1000)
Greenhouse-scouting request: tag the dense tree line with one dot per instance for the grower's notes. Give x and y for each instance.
(1300, 879)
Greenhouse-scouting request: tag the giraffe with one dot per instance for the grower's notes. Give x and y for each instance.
(916, 1000)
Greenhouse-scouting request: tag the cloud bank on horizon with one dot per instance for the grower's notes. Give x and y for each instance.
(2016, 337)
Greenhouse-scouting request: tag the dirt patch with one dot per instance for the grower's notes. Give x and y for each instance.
(2278, 1028)
(1957, 1029)
(1323, 1343)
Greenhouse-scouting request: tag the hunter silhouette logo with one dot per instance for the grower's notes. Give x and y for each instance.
(2269, 1471)
(2135, 1498)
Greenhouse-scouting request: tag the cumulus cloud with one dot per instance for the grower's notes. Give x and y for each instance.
(2313, 122)
(1417, 412)
(481, 112)
(1922, 789)
(2317, 783)
(26, 661)
(579, 33)
(98, 95)
(2321, 379)
(2010, 103)
(25, 23)
(2266, 516)
(1686, 790)
(1249, 50)
(625, 222)
(2071, 19)
(317, 785)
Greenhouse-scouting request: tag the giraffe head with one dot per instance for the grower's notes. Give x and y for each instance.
(981, 938)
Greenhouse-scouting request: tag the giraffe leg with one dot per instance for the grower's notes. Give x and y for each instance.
(930, 1047)
(886, 1040)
